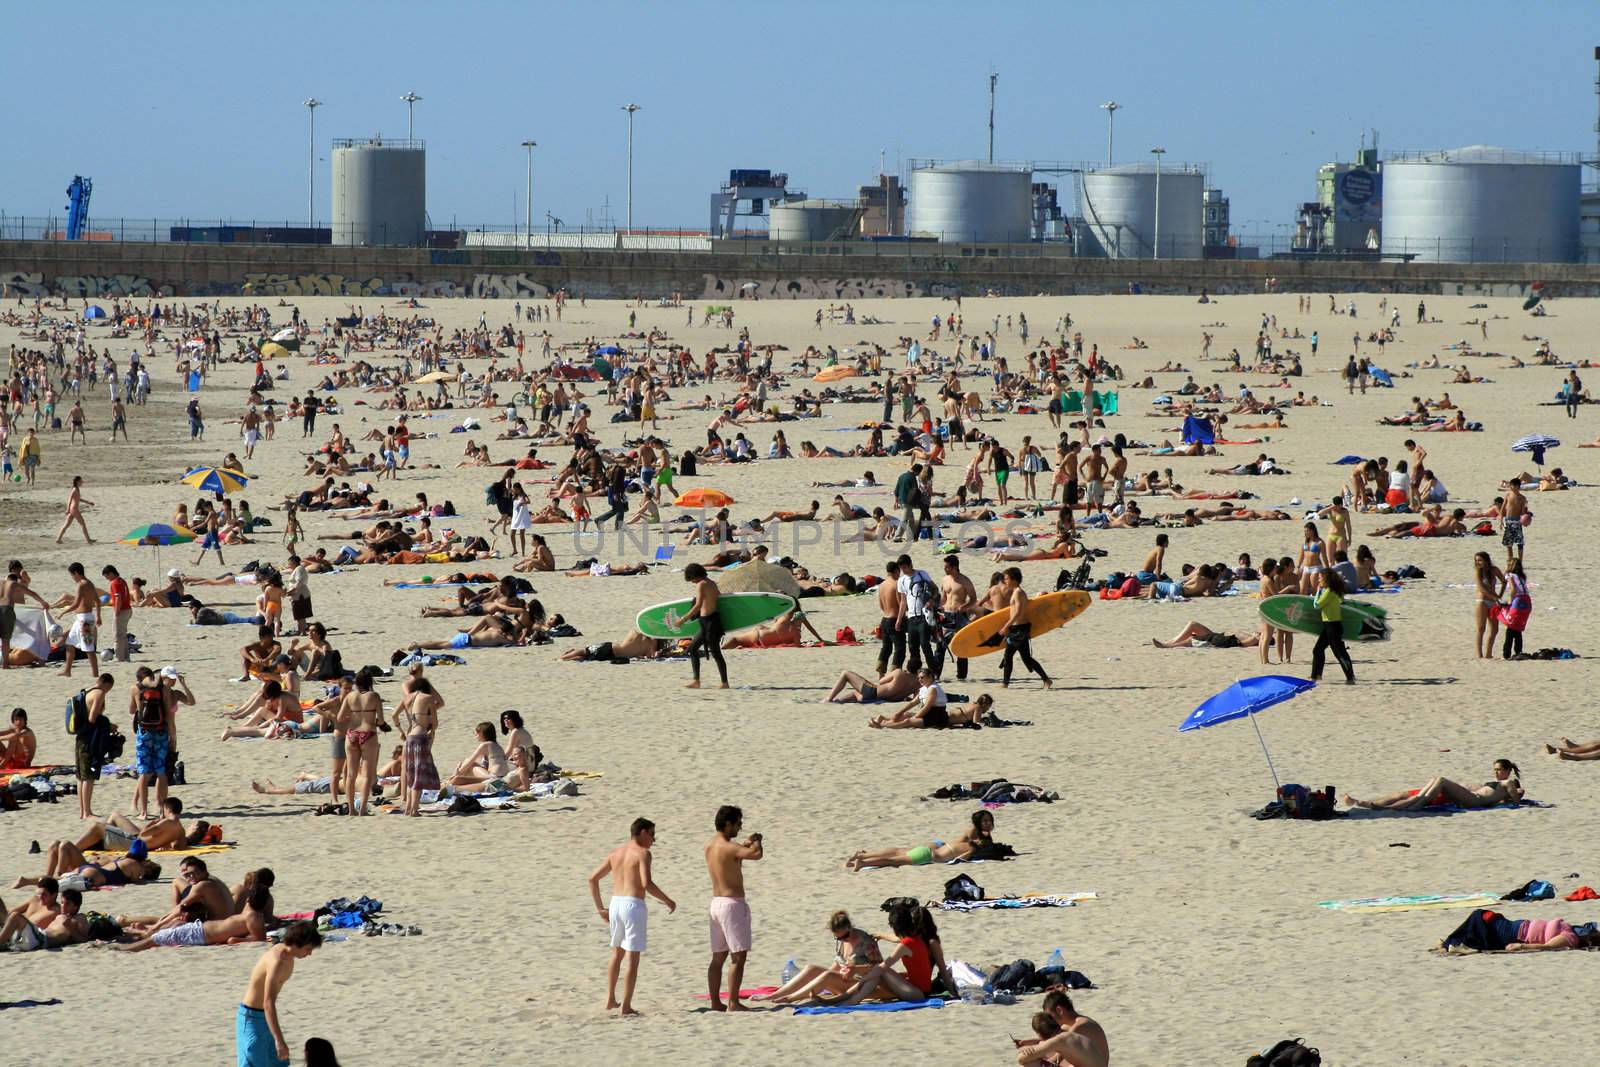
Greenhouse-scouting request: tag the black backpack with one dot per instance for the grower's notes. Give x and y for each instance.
(1290, 1052)
(1302, 803)
(78, 713)
(961, 887)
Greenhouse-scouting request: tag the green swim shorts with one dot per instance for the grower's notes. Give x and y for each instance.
(920, 856)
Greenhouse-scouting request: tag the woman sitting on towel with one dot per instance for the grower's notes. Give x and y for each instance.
(1488, 931)
(1506, 788)
(980, 836)
(486, 763)
(913, 983)
(855, 953)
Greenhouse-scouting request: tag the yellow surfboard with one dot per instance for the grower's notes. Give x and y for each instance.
(1045, 612)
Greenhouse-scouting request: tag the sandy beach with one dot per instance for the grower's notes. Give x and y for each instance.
(1205, 942)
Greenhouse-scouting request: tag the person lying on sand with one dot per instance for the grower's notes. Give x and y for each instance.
(491, 631)
(808, 515)
(1506, 788)
(979, 836)
(1209, 638)
(782, 632)
(1489, 931)
(1569, 750)
(248, 925)
(66, 862)
(634, 645)
(119, 832)
(196, 894)
(609, 570)
(896, 684)
(1027, 553)
(304, 782)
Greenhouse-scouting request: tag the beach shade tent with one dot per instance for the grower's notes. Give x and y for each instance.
(286, 334)
(1242, 700)
(291, 344)
(94, 311)
(704, 497)
(1381, 376)
(608, 350)
(433, 377)
(216, 480)
(602, 367)
(759, 576)
(1538, 444)
(576, 374)
(32, 632)
(273, 350)
(1198, 430)
(835, 373)
(157, 534)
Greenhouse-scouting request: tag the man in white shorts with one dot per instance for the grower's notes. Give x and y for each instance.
(729, 911)
(629, 867)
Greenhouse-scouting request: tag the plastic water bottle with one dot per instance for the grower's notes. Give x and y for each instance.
(790, 969)
(1056, 960)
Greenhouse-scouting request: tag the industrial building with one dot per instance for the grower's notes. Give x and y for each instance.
(1347, 216)
(1481, 204)
(814, 221)
(1143, 211)
(971, 203)
(379, 192)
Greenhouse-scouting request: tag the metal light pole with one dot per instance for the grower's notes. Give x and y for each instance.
(992, 79)
(311, 181)
(1158, 153)
(1111, 107)
(530, 146)
(630, 109)
(411, 99)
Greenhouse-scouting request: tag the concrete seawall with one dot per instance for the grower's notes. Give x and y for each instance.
(38, 268)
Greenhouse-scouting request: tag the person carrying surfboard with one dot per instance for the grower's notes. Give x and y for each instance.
(709, 640)
(1018, 630)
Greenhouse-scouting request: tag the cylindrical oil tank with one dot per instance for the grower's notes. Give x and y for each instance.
(379, 192)
(812, 221)
(1481, 204)
(971, 203)
(1119, 204)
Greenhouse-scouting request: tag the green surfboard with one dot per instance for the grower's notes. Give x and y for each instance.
(737, 611)
(1362, 621)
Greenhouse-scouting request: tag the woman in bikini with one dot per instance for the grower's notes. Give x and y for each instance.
(487, 762)
(1506, 788)
(1311, 560)
(855, 953)
(361, 716)
(979, 836)
(1490, 583)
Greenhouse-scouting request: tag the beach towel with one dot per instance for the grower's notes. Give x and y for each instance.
(4, 1004)
(196, 850)
(1412, 903)
(1442, 809)
(1030, 900)
(897, 1005)
(745, 994)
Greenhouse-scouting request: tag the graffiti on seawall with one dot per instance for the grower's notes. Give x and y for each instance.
(811, 288)
(31, 284)
(482, 286)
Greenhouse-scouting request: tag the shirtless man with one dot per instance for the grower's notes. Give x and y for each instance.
(1094, 469)
(1018, 630)
(75, 505)
(13, 588)
(634, 645)
(798, 516)
(629, 867)
(84, 603)
(730, 912)
(896, 684)
(26, 923)
(259, 654)
(249, 925)
(260, 1037)
(958, 605)
(1079, 1041)
(118, 832)
(704, 610)
(196, 894)
(891, 611)
(1516, 506)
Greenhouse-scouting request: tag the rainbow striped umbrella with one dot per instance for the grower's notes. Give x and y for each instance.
(216, 480)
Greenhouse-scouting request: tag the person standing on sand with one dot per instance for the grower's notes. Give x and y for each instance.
(729, 911)
(75, 505)
(29, 454)
(1018, 630)
(84, 603)
(257, 1032)
(704, 611)
(1511, 519)
(629, 867)
(13, 587)
(121, 601)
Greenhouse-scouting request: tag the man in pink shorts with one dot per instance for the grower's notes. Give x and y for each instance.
(729, 911)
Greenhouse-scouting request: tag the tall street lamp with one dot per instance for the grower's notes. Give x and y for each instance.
(630, 109)
(1158, 153)
(530, 146)
(411, 99)
(311, 182)
(1111, 107)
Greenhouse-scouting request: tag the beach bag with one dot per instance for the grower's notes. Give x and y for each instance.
(1301, 803)
(1290, 1052)
(962, 887)
(1018, 976)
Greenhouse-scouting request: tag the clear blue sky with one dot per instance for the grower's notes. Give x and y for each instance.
(195, 110)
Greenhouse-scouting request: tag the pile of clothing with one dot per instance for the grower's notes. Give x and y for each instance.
(996, 791)
(342, 913)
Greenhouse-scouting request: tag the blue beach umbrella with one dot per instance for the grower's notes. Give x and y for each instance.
(1243, 699)
(94, 311)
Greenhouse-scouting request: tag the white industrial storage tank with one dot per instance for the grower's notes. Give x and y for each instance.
(1119, 205)
(971, 203)
(379, 192)
(1481, 204)
(812, 220)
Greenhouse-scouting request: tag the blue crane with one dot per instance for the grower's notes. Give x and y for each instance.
(78, 206)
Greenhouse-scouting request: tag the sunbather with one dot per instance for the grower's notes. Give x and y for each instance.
(1209, 638)
(66, 862)
(1506, 788)
(979, 836)
(248, 925)
(1489, 931)
(782, 632)
(913, 983)
(855, 953)
(896, 684)
(486, 762)
(634, 645)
